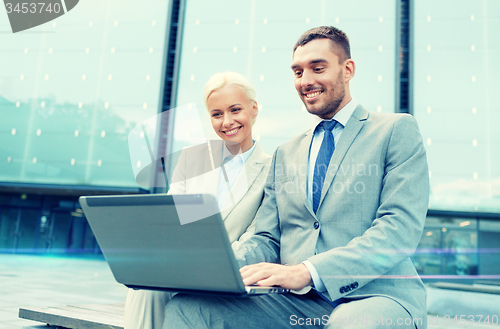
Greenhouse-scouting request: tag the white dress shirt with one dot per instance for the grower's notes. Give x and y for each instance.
(231, 166)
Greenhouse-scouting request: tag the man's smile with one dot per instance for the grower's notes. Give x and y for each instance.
(312, 95)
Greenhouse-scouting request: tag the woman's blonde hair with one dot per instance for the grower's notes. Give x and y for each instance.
(221, 79)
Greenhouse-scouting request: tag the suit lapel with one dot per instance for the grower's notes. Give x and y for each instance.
(350, 132)
(244, 181)
(212, 167)
(303, 159)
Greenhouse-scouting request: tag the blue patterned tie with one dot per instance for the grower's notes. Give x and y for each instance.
(322, 161)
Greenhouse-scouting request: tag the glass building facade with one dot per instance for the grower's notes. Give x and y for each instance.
(72, 89)
(456, 104)
(256, 38)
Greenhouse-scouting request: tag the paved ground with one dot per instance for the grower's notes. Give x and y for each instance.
(35, 280)
(32, 280)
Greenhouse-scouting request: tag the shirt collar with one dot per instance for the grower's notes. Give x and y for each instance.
(244, 156)
(342, 116)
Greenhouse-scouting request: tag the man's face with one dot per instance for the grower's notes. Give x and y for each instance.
(319, 78)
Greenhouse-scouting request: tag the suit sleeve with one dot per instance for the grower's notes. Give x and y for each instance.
(263, 246)
(397, 228)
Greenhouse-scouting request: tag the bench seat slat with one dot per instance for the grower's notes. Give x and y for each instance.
(80, 316)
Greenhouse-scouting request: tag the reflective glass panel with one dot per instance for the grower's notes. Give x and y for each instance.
(72, 88)
(256, 38)
(449, 246)
(456, 101)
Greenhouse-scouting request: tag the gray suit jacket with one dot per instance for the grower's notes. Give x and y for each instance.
(198, 170)
(371, 214)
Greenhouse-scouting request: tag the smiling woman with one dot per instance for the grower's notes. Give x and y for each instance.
(230, 100)
(233, 169)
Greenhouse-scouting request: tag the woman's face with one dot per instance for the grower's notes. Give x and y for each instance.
(232, 113)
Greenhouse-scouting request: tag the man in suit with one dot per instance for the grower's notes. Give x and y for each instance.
(344, 209)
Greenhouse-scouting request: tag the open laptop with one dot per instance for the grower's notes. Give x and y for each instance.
(149, 244)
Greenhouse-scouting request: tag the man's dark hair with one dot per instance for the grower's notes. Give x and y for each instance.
(340, 40)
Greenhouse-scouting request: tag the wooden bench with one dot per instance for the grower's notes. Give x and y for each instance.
(483, 287)
(93, 316)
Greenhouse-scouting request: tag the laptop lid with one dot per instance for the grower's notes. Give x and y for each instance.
(147, 246)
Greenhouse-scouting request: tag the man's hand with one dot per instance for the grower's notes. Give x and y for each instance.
(293, 277)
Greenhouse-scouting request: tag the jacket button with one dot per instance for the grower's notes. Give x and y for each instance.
(316, 225)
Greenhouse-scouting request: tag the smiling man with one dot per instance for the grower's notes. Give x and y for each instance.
(322, 71)
(342, 234)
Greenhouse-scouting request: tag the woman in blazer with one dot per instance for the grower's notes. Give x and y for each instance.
(233, 169)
